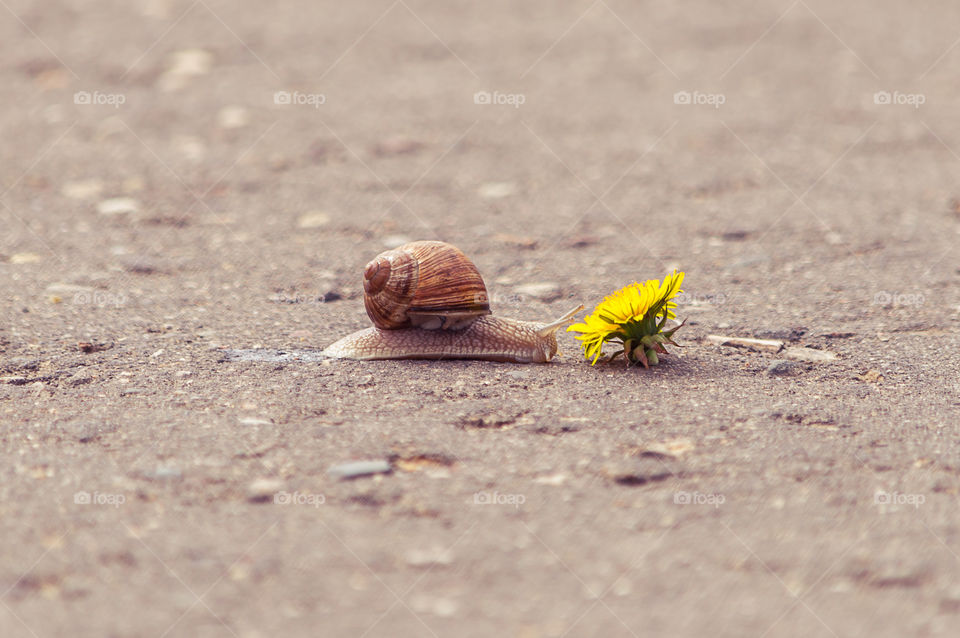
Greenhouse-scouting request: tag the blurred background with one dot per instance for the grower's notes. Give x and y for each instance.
(210, 128)
(185, 179)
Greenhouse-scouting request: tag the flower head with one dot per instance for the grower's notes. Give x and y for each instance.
(634, 317)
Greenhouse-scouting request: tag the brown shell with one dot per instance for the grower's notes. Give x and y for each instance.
(429, 284)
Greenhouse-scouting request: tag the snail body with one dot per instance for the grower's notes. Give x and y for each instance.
(428, 301)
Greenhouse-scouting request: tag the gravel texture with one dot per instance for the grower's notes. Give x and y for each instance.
(189, 193)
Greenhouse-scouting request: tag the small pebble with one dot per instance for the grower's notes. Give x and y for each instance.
(88, 346)
(495, 190)
(898, 574)
(118, 206)
(580, 241)
(85, 431)
(191, 148)
(24, 258)
(622, 587)
(735, 235)
(313, 219)
(423, 557)
(781, 368)
(671, 447)
(517, 241)
(425, 604)
(770, 345)
(950, 603)
(249, 420)
(190, 62)
(803, 353)
(263, 490)
(143, 265)
(182, 65)
(82, 189)
(164, 473)
(80, 377)
(545, 291)
(640, 471)
(397, 145)
(357, 469)
(553, 479)
(230, 117)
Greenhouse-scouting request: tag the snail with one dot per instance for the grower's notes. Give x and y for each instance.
(427, 300)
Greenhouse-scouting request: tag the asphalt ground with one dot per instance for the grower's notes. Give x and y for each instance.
(190, 192)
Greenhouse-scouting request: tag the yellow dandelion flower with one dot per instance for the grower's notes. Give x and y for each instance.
(634, 317)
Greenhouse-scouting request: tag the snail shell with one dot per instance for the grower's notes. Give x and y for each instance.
(424, 284)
